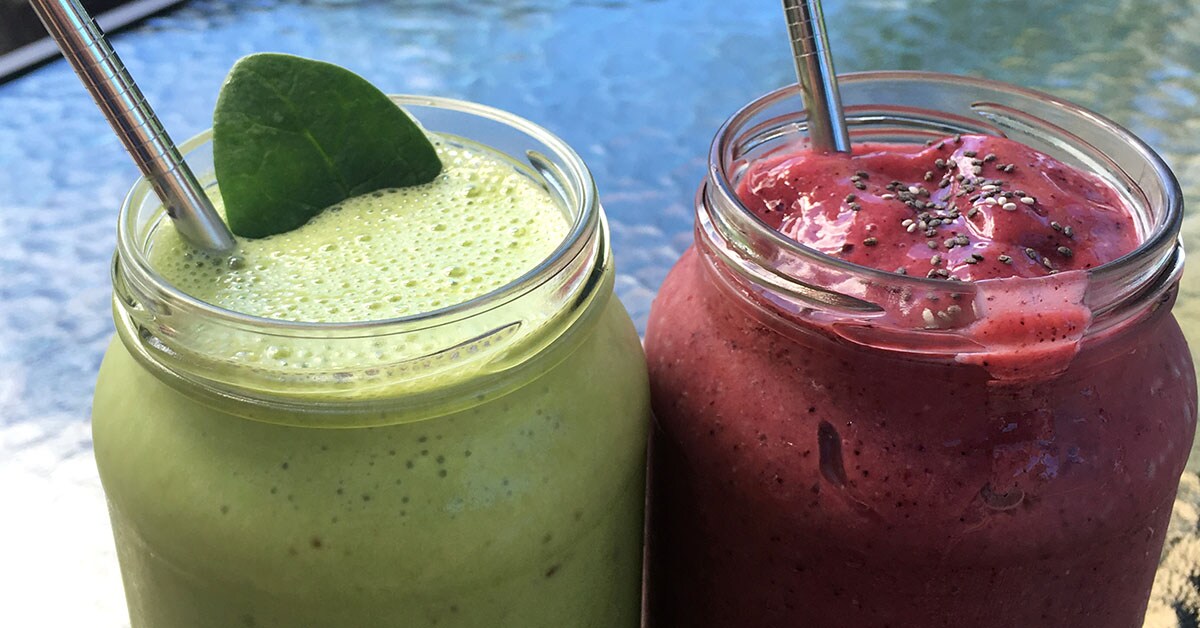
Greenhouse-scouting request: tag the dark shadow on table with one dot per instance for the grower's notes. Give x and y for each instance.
(25, 45)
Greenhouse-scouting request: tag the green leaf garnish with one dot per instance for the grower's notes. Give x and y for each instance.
(292, 136)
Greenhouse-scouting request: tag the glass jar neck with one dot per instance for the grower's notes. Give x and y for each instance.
(799, 286)
(342, 374)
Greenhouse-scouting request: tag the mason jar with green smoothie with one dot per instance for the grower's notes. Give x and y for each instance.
(422, 405)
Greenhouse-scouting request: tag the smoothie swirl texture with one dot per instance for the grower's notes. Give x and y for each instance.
(967, 208)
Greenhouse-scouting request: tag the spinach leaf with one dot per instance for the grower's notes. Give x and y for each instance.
(292, 136)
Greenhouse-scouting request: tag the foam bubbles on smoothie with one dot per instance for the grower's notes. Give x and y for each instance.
(395, 252)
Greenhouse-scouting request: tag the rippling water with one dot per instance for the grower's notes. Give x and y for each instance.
(638, 87)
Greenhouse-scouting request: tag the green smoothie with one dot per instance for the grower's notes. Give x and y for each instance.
(395, 252)
(497, 483)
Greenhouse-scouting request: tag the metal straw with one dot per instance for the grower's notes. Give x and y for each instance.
(818, 82)
(89, 53)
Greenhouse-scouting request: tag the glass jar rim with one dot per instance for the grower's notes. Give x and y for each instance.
(1157, 243)
(582, 197)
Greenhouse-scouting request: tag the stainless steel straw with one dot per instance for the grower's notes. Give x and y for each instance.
(93, 58)
(818, 82)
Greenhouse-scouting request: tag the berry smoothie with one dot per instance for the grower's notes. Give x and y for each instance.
(987, 458)
(962, 208)
(381, 474)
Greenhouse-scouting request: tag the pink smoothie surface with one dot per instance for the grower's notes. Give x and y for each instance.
(969, 207)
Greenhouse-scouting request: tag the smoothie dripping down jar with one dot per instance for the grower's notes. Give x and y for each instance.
(476, 464)
(837, 445)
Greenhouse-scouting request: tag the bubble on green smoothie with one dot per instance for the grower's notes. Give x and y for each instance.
(396, 252)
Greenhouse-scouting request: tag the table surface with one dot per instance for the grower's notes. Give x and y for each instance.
(637, 87)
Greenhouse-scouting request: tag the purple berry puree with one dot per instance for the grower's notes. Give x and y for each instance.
(801, 480)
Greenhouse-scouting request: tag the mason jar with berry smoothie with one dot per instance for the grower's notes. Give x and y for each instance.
(424, 407)
(934, 383)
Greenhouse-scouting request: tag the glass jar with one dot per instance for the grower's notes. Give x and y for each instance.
(479, 465)
(843, 446)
